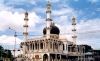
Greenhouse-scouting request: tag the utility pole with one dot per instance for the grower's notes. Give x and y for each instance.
(15, 35)
(83, 53)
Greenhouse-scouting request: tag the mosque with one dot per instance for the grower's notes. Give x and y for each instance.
(49, 47)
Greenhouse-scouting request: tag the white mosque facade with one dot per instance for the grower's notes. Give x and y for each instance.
(49, 47)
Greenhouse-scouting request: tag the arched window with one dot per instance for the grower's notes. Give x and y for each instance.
(35, 45)
(56, 46)
(50, 44)
(41, 45)
(30, 46)
(63, 47)
(27, 46)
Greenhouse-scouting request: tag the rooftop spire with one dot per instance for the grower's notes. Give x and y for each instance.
(48, 10)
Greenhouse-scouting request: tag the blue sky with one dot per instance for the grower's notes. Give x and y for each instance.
(87, 13)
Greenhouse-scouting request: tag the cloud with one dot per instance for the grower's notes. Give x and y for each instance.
(16, 20)
(13, 17)
(88, 25)
(19, 2)
(98, 9)
(93, 1)
(76, 0)
(9, 40)
(89, 32)
(5, 7)
(9, 19)
(62, 18)
(10, 16)
(55, 1)
(64, 11)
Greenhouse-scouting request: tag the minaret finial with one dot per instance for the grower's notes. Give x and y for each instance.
(48, 1)
(48, 10)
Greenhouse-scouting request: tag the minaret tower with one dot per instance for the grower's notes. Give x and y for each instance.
(25, 33)
(48, 19)
(74, 36)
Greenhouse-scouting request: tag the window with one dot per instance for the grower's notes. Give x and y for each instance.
(56, 46)
(50, 44)
(63, 47)
(35, 45)
(27, 47)
(30, 46)
(41, 45)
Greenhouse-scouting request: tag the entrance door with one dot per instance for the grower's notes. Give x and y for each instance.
(45, 57)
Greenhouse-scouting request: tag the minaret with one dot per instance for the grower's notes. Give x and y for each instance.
(25, 33)
(74, 36)
(48, 19)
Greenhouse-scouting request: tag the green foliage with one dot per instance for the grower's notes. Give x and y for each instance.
(1, 51)
(86, 48)
(5, 53)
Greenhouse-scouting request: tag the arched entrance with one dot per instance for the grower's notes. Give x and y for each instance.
(52, 57)
(45, 57)
(58, 56)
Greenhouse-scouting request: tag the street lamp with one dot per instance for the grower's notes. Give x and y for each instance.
(15, 35)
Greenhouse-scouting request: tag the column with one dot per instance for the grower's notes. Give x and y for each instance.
(64, 47)
(56, 57)
(32, 47)
(60, 58)
(67, 48)
(58, 47)
(52, 46)
(48, 57)
(43, 45)
(29, 47)
(39, 44)
(48, 45)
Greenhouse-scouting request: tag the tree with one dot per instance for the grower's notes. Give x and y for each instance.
(8, 54)
(86, 48)
(1, 52)
(5, 53)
